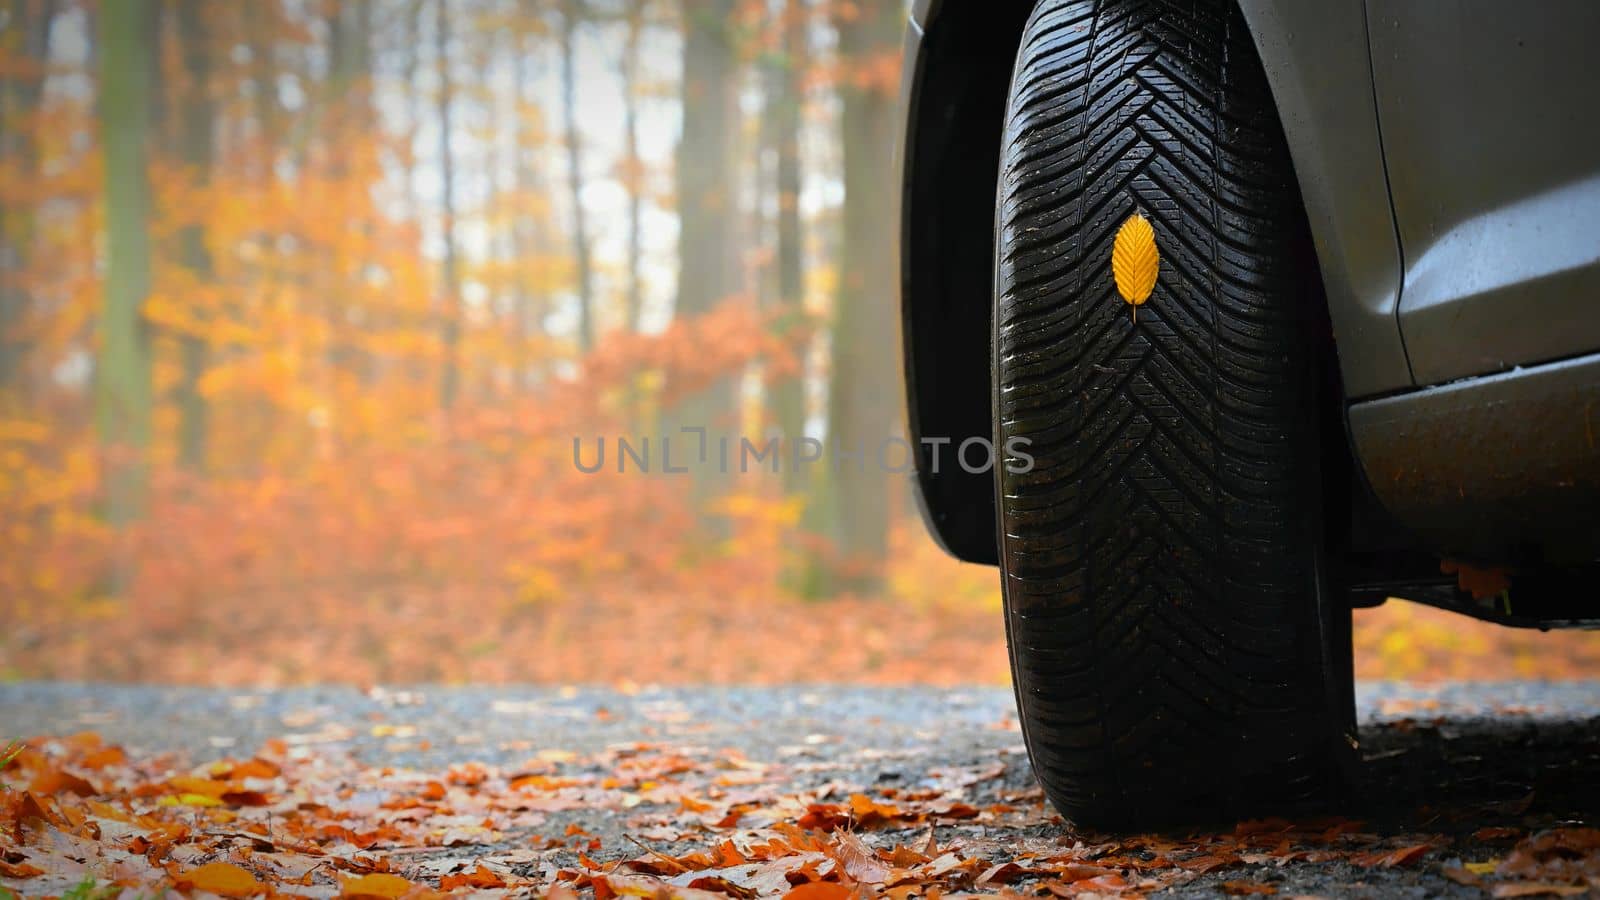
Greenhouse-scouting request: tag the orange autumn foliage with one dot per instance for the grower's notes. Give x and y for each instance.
(342, 521)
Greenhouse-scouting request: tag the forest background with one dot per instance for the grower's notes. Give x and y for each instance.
(303, 303)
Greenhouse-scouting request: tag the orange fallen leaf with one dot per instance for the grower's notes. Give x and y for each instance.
(245, 798)
(19, 870)
(1111, 883)
(868, 812)
(819, 890)
(23, 807)
(1390, 859)
(718, 884)
(1075, 872)
(824, 817)
(378, 885)
(1207, 863)
(728, 855)
(107, 756)
(690, 804)
(1003, 873)
(190, 784)
(54, 781)
(478, 878)
(83, 741)
(1241, 888)
(223, 879)
(254, 768)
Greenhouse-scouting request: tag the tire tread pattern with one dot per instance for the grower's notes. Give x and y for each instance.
(1158, 560)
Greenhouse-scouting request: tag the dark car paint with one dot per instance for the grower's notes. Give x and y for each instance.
(1496, 179)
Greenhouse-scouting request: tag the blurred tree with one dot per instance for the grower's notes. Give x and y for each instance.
(786, 100)
(261, 26)
(450, 309)
(26, 39)
(708, 244)
(572, 12)
(122, 368)
(632, 167)
(528, 233)
(349, 49)
(410, 68)
(198, 143)
(863, 408)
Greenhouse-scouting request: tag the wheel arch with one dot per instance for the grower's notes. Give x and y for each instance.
(959, 59)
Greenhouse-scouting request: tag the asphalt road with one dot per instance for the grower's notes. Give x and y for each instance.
(1447, 760)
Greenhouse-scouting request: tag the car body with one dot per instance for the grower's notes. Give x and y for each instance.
(1450, 174)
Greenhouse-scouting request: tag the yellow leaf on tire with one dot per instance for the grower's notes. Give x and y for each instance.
(1135, 262)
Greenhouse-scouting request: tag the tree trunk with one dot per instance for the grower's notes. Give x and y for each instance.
(20, 97)
(450, 314)
(123, 367)
(570, 12)
(198, 138)
(862, 397)
(526, 229)
(409, 67)
(263, 85)
(634, 171)
(707, 213)
(787, 100)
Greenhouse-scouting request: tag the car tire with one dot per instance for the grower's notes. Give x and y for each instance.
(1177, 649)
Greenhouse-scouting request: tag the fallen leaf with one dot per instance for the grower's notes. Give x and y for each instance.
(720, 885)
(478, 878)
(1004, 873)
(1207, 863)
(1075, 872)
(1482, 868)
(106, 756)
(255, 767)
(819, 890)
(221, 878)
(54, 781)
(1392, 858)
(858, 860)
(377, 886)
(19, 870)
(869, 813)
(189, 800)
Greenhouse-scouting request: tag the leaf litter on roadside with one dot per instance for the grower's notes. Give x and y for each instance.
(300, 821)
